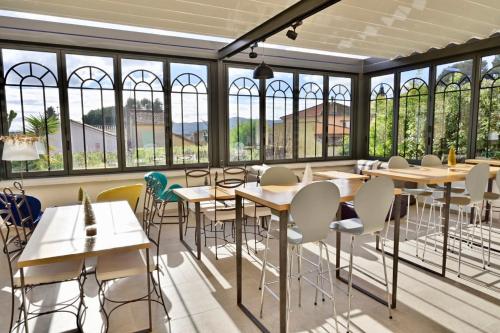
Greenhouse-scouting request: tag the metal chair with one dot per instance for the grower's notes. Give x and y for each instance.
(13, 244)
(233, 172)
(475, 183)
(221, 214)
(118, 266)
(323, 199)
(278, 176)
(165, 194)
(129, 193)
(398, 162)
(372, 202)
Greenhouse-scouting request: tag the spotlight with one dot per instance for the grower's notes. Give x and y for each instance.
(292, 34)
(252, 53)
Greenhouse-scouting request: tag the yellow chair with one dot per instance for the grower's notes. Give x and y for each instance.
(130, 193)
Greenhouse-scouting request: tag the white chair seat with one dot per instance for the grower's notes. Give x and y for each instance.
(491, 196)
(58, 272)
(254, 212)
(416, 192)
(462, 201)
(221, 214)
(204, 205)
(352, 226)
(120, 265)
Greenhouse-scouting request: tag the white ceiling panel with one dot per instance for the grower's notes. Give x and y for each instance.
(382, 28)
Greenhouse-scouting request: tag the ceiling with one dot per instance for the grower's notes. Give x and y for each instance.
(382, 28)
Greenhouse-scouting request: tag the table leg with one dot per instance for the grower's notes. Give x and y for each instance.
(239, 221)
(149, 291)
(488, 205)
(197, 212)
(397, 225)
(23, 305)
(283, 246)
(446, 223)
(180, 210)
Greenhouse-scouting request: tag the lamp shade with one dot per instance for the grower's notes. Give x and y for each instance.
(19, 151)
(263, 71)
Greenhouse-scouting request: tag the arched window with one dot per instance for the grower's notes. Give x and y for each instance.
(488, 126)
(190, 115)
(310, 116)
(381, 117)
(143, 113)
(412, 127)
(339, 117)
(279, 117)
(244, 134)
(452, 109)
(91, 98)
(32, 100)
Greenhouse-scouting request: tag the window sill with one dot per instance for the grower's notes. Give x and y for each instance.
(72, 180)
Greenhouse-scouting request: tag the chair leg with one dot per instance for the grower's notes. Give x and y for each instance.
(256, 220)
(12, 294)
(264, 262)
(187, 222)
(386, 279)
(215, 231)
(245, 232)
(431, 209)
(318, 276)
(489, 234)
(408, 215)
(481, 235)
(349, 287)
(389, 219)
(299, 270)
(331, 288)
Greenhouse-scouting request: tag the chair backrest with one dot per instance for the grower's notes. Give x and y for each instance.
(26, 209)
(398, 162)
(235, 172)
(313, 208)
(373, 201)
(431, 161)
(278, 175)
(221, 185)
(160, 178)
(198, 177)
(130, 193)
(476, 181)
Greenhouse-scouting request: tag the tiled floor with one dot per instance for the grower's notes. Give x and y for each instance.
(201, 296)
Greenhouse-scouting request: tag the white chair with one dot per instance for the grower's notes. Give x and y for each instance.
(491, 198)
(475, 183)
(278, 176)
(372, 202)
(398, 162)
(323, 199)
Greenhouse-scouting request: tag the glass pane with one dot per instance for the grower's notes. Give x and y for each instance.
(310, 116)
(339, 116)
(244, 122)
(143, 112)
(488, 127)
(452, 108)
(91, 101)
(189, 100)
(413, 98)
(32, 97)
(381, 116)
(279, 117)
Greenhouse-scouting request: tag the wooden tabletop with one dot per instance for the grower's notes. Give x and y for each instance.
(332, 174)
(60, 234)
(280, 197)
(491, 162)
(427, 175)
(205, 193)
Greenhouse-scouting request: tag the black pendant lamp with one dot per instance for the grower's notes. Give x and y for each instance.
(263, 71)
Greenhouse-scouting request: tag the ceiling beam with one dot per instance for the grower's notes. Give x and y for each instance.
(299, 11)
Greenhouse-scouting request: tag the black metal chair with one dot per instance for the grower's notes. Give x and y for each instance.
(113, 267)
(14, 239)
(197, 177)
(234, 172)
(221, 213)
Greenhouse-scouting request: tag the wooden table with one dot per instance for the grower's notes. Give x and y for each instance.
(333, 174)
(279, 199)
(60, 236)
(197, 195)
(490, 162)
(431, 175)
